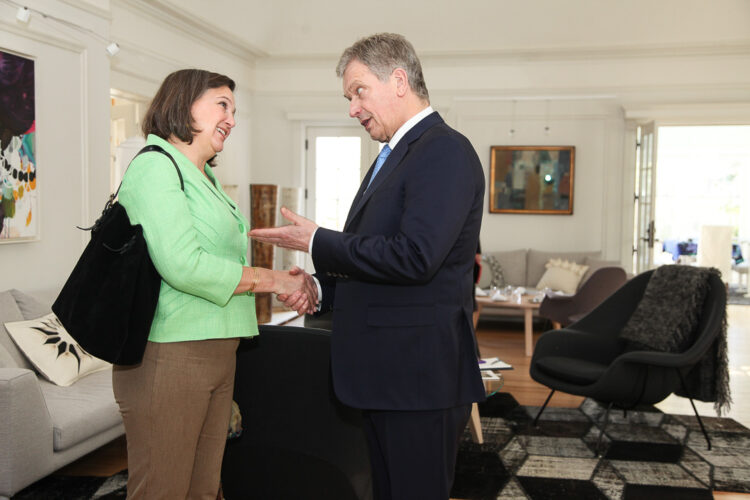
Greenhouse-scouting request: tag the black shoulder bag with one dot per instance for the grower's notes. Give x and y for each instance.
(108, 302)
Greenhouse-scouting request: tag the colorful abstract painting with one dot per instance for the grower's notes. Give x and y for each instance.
(19, 201)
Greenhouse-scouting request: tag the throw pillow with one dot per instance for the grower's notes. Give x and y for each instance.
(562, 275)
(496, 271)
(53, 351)
(30, 307)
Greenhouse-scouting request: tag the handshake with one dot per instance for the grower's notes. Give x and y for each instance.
(297, 290)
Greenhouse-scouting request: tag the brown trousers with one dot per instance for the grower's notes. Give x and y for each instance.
(176, 407)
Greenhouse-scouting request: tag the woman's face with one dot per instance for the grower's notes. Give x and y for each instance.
(213, 116)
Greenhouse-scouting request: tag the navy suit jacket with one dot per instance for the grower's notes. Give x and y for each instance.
(399, 277)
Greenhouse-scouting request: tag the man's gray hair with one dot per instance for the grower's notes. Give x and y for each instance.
(382, 53)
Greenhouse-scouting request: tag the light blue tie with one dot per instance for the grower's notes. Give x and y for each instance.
(379, 163)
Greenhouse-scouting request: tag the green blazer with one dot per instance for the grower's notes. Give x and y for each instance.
(198, 243)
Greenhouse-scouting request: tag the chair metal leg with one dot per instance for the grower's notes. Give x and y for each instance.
(601, 433)
(536, 419)
(695, 410)
(700, 422)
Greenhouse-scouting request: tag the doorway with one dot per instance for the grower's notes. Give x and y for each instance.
(336, 161)
(701, 188)
(126, 138)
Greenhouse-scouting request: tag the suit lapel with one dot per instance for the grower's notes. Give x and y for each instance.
(390, 165)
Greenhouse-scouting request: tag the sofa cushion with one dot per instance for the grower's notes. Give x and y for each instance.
(9, 311)
(538, 259)
(562, 275)
(572, 370)
(81, 410)
(51, 349)
(30, 307)
(6, 360)
(513, 264)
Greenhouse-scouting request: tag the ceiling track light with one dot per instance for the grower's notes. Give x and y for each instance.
(112, 49)
(23, 14)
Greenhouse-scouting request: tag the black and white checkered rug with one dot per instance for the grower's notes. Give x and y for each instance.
(645, 454)
(76, 488)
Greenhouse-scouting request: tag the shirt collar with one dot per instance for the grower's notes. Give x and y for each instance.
(408, 126)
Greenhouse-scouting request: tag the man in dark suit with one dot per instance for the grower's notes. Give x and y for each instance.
(399, 276)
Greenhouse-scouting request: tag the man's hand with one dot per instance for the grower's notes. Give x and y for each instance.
(305, 299)
(295, 236)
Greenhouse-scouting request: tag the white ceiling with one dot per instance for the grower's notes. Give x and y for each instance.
(288, 28)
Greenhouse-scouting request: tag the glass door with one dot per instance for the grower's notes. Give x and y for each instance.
(337, 158)
(644, 227)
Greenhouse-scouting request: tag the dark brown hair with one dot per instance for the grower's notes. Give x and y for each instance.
(169, 112)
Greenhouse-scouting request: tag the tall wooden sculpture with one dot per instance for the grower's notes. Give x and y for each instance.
(263, 207)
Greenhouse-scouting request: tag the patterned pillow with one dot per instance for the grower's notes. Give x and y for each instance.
(496, 271)
(53, 351)
(562, 275)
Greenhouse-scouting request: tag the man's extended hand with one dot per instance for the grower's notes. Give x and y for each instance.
(295, 236)
(306, 298)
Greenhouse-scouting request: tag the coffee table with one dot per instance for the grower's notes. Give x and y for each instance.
(528, 308)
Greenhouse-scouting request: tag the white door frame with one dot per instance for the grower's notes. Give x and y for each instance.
(311, 132)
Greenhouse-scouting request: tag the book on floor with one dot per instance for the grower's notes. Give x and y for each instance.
(493, 364)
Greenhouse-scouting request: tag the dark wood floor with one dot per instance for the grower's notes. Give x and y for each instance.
(505, 340)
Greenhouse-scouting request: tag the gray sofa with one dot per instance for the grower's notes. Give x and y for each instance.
(44, 426)
(525, 267)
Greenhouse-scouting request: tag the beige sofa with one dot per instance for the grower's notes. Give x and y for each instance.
(525, 267)
(45, 426)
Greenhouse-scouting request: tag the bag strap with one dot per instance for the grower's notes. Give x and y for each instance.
(111, 201)
(156, 149)
(159, 149)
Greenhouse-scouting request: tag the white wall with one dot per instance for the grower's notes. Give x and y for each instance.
(154, 44)
(588, 92)
(600, 81)
(73, 81)
(587, 125)
(72, 139)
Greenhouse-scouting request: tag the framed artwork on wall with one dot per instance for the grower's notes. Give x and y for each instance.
(532, 179)
(19, 203)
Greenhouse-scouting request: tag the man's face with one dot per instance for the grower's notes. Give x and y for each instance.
(374, 103)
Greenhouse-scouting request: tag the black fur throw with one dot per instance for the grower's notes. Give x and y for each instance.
(666, 320)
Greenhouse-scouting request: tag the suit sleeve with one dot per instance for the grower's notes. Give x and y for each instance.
(152, 197)
(440, 191)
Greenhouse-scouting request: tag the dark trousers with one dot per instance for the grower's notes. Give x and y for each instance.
(413, 453)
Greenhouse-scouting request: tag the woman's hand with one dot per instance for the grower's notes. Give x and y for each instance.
(297, 290)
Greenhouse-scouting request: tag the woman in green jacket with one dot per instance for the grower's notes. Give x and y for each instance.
(176, 404)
